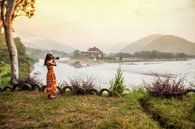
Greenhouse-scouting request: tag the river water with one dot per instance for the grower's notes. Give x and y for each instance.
(134, 73)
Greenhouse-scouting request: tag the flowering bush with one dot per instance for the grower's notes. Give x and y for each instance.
(166, 86)
(87, 83)
(32, 80)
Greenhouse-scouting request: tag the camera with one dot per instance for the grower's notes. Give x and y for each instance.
(56, 58)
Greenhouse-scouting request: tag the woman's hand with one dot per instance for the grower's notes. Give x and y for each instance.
(54, 62)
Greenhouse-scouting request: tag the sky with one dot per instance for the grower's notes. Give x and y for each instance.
(103, 23)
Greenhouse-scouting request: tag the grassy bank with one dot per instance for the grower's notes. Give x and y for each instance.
(172, 113)
(24, 110)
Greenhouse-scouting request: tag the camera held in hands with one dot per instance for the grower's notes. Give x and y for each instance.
(56, 58)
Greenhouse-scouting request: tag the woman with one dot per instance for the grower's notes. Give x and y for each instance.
(51, 78)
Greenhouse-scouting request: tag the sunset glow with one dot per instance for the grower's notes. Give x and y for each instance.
(83, 23)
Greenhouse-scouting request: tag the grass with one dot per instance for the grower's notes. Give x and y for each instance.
(173, 113)
(4, 73)
(27, 110)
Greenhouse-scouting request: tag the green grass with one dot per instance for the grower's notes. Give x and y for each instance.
(4, 73)
(28, 110)
(23, 110)
(173, 113)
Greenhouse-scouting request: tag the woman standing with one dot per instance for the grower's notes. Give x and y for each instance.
(51, 78)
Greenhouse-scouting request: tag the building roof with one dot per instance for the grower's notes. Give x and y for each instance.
(94, 49)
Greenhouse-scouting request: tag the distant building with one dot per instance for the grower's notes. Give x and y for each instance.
(95, 53)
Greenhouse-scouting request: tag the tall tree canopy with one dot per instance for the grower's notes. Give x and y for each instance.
(10, 9)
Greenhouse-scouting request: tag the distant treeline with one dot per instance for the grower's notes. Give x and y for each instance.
(138, 55)
(151, 55)
(77, 54)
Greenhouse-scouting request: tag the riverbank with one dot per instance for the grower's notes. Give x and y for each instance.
(33, 110)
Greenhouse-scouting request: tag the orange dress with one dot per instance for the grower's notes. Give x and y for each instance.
(51, 80)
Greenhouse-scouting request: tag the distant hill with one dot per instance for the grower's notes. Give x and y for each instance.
(47, 44)
(116, 47)
(162, 43)
(41, 53)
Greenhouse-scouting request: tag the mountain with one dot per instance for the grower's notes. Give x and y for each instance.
(162, 43)
(37, 54)
(116, 47)
(48, 44)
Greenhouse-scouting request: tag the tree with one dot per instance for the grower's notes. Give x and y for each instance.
(10, 9)
(76, 53)
(117, 85)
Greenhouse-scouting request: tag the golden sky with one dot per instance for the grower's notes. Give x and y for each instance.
(84, 23)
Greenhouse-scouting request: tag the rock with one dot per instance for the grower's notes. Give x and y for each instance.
(77, 64)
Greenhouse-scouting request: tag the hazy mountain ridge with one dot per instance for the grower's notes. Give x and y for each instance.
(163, 43)
(47, 44)
(116, 47)
(41, 53)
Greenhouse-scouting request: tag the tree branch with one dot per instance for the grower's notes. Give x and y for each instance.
(18, 3)
(15, 8)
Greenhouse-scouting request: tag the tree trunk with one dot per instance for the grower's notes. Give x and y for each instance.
(12, 52)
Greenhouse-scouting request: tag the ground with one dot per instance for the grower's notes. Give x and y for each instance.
(28, 110)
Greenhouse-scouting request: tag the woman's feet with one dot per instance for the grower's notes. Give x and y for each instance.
(51, 97)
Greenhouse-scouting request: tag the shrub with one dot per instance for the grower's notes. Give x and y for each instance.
(76, 83)
(32, 80)
(192, 85)
(166, 86)
(117, 86)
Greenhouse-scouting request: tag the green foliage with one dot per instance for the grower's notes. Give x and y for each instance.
(77, 54)
(25, 61)
(21, 8)
(4, 55)
(117, 86)
(25, 7)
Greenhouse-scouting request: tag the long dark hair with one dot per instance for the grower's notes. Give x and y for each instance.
(47, 58)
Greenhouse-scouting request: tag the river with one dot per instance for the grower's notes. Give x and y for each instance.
(134, 73)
